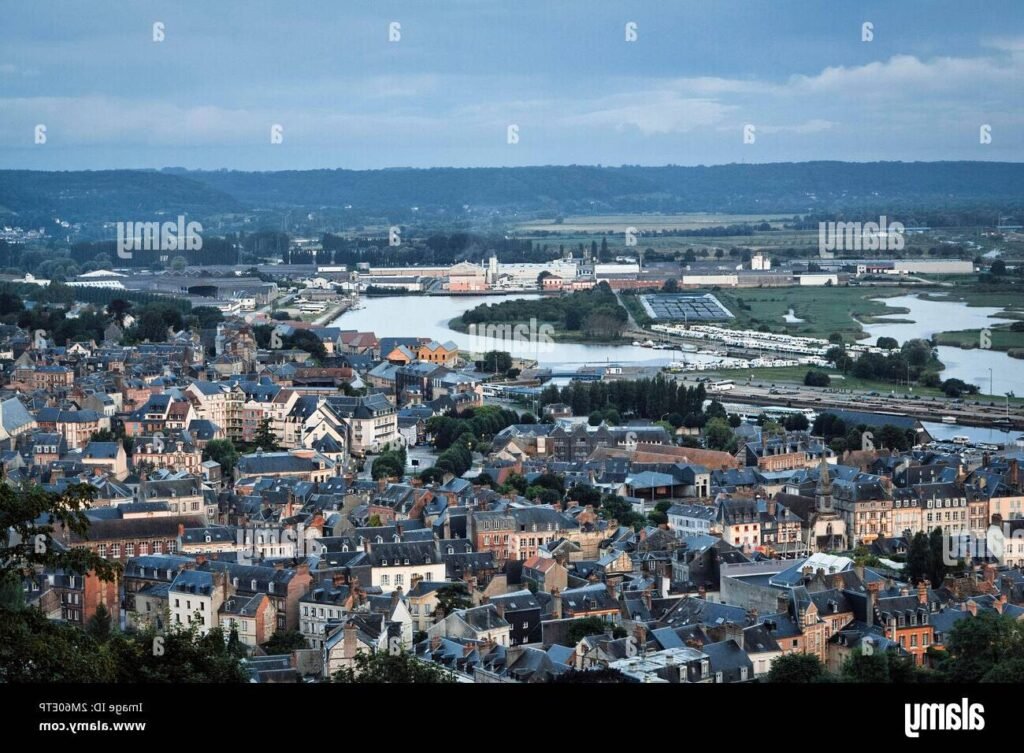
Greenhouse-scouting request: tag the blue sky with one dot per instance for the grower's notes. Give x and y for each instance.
(464, 70)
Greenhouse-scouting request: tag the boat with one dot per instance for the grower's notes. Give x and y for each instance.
(961, 439)
(949, 419)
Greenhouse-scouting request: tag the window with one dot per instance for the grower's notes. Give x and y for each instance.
(399, 579)
(177, 603)
(385, 580)
(101, 550)
(115, 550)
(143, 549)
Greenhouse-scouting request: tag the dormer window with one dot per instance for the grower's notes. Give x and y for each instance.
(383, 562)
(451, 550)
(252, 585)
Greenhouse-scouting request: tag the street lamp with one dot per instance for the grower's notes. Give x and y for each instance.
(990, 390)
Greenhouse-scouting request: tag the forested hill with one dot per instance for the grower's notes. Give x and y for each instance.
(778, 187)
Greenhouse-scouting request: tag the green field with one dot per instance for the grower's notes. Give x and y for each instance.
(823, 310)
(1001, 339)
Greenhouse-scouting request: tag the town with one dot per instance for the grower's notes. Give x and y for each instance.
(320, 496)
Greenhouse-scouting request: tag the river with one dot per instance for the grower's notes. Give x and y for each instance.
(930, 317)
(428, 316)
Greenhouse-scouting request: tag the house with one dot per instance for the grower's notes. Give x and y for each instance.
(108, 457)
(402, 565)
(252, 619)
(481, 624)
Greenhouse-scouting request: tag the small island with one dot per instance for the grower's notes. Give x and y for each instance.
(583, 316)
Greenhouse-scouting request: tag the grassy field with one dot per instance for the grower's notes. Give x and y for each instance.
(823, 310)
(1002, 339)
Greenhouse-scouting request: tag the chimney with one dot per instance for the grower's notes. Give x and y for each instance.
(972, 607)
(734, 632)
(350, 643)
(1000, 603)
(647, 599)
(181, 529)
(922, 592)
(990, 574)
(869, 618)
(556, 603)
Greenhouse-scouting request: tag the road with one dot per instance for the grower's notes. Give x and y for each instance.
(967, 412)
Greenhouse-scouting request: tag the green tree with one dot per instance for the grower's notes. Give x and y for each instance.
(452, 598)
(977, 646)
(30, 516)
(284, 642)
(918, 558)
(719, 436)
(222, 451)
(797, 668)
(99, 625)
(584, 626)
(385, 668)
(265, 438)
(866, 667)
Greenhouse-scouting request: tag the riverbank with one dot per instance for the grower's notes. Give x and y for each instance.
(555, 334)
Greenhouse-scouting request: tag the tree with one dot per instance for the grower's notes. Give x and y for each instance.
(265, 438)
(888, 343)
(30, 516)
(385, 668)
(719, 436)
(835, 337)
(495, 362)
(614, 507)
(585, 626)
(796, 422)
(865, 667)
(977, 646)
(671, 286)
(284, 642)
(998, 267)
(918, 557)
(223, 452)
(937, 566)
(98, 625)
(118, 309)
(817, 379)
(178, 263)
(794, 668)
(958, 387)
(452, 598)
(103, 435)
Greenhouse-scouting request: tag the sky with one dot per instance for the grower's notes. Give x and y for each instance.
(349, 89)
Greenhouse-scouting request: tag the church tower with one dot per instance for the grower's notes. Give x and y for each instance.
(823, 491)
